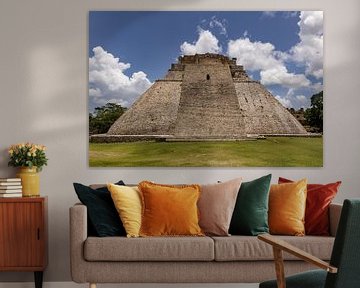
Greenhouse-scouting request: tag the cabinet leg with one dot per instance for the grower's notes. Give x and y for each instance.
(38, 279)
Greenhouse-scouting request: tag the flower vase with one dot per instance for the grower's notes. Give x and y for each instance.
(30, 181)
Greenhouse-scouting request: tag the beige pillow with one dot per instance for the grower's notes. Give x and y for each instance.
(216, 205)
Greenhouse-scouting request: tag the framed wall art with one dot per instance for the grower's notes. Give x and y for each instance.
(205, 88)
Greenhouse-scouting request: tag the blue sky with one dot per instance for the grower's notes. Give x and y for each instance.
(128, 50)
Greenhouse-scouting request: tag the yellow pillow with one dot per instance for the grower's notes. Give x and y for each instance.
(287, 204)
(127, 201)
(169, 210)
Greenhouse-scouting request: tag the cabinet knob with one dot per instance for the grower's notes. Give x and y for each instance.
(38, 234)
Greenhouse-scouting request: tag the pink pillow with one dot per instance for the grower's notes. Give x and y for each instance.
(216, 205)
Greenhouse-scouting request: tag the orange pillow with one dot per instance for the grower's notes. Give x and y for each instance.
(169, 210)
(287, 204)
(318, 200)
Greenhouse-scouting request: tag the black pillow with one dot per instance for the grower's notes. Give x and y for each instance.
(104, 218)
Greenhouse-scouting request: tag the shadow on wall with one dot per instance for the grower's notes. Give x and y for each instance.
(46, 86)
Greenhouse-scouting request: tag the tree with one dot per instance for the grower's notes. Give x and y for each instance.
(103, 117)
(314, 114)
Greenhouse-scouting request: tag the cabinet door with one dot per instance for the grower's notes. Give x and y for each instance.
(21, 234)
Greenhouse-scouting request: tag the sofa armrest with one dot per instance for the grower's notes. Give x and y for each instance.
(334, 217)
(78, 235)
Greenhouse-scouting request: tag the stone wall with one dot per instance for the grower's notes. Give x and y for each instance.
(263, 114)
(154, 113)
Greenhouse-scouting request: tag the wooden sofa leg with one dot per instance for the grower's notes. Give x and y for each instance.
(92, 285)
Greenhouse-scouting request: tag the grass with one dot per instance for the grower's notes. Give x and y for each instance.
(271, 152)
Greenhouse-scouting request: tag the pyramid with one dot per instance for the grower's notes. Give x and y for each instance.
(206, 96)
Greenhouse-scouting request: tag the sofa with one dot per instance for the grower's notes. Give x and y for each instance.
(233, 259)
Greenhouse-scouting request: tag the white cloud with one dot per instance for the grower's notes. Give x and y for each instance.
(253, 55)
(290, 14)
(280, 75)
(311, 23)
(109, 83)
(284, 101)
(270, 14)
(263, 56)
(291, 100)
(317, 87)
(206, 43)
(309, 51)
(95, 92)
(284, 14)
(302, 100)
(218, 23)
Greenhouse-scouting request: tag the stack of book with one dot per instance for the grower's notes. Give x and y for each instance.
(10, 187)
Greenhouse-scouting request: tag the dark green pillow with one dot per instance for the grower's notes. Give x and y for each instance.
(103, 218)
(250, 216)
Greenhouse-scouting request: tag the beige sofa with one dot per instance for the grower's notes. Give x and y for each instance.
(234, 259)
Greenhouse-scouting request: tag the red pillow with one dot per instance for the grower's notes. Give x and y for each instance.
(319, 197)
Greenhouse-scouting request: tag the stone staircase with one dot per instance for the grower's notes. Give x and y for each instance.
(209, 106)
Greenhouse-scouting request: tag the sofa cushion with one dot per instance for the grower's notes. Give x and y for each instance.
(287, 204)
(250, 215)
(244, 248)
(102, 216)
(149, 249)
(127, 201)
(216, 206)
(169, 210)
(318, 199)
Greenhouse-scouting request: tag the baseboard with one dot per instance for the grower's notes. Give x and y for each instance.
(74, 285)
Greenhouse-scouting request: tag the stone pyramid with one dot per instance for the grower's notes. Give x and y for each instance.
(206, 96)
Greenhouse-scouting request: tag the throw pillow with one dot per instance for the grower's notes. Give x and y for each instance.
(127, 201)
(319, 197)
(169, 210)
(102, 215)
(250, 215)
(216, 206)
(287, 204)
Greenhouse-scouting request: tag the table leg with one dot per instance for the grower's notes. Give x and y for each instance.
(38, 279)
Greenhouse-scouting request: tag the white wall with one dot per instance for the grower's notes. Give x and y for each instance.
(43, 90)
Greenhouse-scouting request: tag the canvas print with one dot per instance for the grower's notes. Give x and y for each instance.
(205, 88)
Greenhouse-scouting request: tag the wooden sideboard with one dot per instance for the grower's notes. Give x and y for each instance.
(23, 235)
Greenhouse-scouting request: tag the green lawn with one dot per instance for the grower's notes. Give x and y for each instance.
(271, 152)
